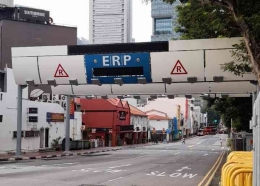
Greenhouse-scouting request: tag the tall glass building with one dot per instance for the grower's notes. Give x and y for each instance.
(164, 20)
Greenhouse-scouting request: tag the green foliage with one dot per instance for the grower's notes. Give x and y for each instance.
(237, 109)
(55, 143)
(208, 21)
(213, 115)
(240, 65)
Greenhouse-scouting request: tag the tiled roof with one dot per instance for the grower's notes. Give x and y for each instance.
(156, 117)
(136, 111)
(153, 110)
(114, 101)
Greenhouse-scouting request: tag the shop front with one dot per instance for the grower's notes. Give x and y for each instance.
(104, 135)
(125, 135)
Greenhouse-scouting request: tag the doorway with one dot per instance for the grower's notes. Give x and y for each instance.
(42, 138)
(107, 139)
(46, 138)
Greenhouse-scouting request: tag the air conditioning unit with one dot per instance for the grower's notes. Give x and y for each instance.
(45, 97)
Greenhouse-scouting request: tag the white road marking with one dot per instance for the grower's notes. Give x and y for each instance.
(120, 166)
(199, 143)
(177, 153)
(70, 163)
(183, 168)
(190, 146)
(115, 179)
(206, 155)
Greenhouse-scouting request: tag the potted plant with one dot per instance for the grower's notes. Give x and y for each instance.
(55, 144)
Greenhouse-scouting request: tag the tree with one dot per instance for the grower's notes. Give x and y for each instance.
(237, 109)
(212, 116)
(238, 16)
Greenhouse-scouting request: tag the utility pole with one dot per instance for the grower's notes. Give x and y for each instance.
(67, 138)
(19, 120)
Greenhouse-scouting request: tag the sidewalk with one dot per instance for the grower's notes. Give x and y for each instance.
(55, 154)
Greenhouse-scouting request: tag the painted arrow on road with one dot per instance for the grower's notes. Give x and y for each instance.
(183, 168)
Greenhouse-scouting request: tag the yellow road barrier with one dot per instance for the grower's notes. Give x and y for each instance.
(238, 169)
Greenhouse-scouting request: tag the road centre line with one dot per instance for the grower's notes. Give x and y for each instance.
(203, 180)
(216, 168)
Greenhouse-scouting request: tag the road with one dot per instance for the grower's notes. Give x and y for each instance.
(163, 164)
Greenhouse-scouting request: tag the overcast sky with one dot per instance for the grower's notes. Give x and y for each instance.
(76, 13)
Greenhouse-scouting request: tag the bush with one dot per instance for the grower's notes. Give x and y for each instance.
(229, 142)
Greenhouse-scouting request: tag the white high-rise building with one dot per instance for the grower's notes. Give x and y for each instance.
(110, 21)
(9, 3)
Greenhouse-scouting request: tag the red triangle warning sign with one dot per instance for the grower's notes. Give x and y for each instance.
(178, 69)
(60, 72)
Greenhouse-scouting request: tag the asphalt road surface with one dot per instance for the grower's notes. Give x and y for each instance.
(158, 165)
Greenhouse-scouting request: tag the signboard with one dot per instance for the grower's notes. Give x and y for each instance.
(32, 119)
(127, 66)
(178, 65)
(15, 134)
(32, 133)
(33, 14)
(60, 72)
(127, 128)
(72, 108)
(178, 69)
(122, 115)
(54, 117)
(186, 109)
(33, 110)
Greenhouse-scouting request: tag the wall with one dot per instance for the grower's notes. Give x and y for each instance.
(139, 121)
(159, 125)
(101, 113)
(8, 109)
(169, 106)
(20, 34)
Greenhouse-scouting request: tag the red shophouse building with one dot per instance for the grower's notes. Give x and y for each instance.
(107, 119)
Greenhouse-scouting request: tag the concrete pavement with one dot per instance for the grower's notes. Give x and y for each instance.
(163, 164)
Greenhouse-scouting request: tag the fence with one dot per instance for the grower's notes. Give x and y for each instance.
(254, 125)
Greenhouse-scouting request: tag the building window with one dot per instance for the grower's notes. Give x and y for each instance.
(163, 26)
(1, 118)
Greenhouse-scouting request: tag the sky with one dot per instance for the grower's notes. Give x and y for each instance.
(67, 12)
